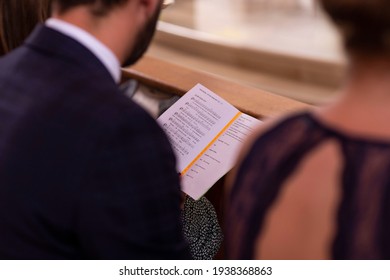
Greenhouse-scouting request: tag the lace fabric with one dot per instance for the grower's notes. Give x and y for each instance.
(362, 230)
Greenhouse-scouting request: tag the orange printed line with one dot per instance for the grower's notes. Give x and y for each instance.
(185, 170)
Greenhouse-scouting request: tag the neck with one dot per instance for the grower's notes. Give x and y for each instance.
(364, 102)
(102, 26)
(369, 80)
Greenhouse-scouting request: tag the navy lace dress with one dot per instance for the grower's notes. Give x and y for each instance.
(363, 215)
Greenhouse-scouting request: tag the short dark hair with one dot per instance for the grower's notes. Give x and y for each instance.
(100, 7)
(364, 24)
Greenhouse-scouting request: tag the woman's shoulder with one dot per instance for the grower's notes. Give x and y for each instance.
(272, 136)
(280, 128)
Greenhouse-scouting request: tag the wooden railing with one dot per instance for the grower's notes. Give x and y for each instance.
(170, 78)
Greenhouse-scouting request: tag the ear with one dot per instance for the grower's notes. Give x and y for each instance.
(150, 5)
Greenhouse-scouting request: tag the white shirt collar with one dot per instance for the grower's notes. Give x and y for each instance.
(103, 53)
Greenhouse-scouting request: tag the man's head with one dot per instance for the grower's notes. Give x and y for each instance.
(143, 39)
(125, 26)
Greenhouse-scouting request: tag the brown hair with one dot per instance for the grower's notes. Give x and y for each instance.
(17, 20)
(364, 24)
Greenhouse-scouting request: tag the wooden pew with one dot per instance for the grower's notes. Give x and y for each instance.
(171, 78)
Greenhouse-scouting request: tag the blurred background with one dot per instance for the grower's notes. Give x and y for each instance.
(287, 47)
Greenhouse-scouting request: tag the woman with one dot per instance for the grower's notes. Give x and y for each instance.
(316, 184)
(17, 20)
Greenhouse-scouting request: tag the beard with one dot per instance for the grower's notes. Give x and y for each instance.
(143, 39)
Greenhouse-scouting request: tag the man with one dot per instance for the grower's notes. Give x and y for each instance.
(84, 172)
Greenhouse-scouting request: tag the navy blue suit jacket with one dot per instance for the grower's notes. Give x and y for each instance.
(85, 173)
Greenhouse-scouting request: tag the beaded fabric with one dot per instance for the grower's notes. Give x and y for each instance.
(201, 228)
